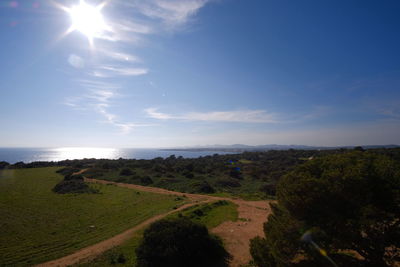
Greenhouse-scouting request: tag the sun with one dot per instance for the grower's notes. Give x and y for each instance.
(87, 19)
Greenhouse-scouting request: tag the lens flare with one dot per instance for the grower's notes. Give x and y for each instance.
(307, 237)
(87, 20)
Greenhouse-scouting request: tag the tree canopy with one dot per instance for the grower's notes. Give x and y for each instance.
(180, 243)
(342, 203)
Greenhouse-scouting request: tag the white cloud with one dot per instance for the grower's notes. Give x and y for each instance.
(100, 98)
(136, 20)
(118, 56)
(96, 84)
(245, 116)
(251, 116)
(111, 71)
(153, 113)
(128, 25)
(171, 12)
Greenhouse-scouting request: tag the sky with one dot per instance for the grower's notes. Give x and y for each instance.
(176, 73)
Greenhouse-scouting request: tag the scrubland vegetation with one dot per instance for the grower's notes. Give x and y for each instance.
(334, 206)
(249, 175)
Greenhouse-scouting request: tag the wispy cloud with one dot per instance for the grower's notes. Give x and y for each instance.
(136, 20)
(153, 113)
(112, 54)
(170, 12)
(390, 109)
(131, 26)
(112, 119)
(100, 97)
(110, 71)
(96, 84)
(244, 116)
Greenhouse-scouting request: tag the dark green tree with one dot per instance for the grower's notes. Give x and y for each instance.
(180, 243)
(3, 165)
(347, 201)
(126, 172)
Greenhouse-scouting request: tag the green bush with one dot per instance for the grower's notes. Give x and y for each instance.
(146, 180)
(73, 177)
(227, 182)
(3, 165)
(202, 187)
(126, 172)
(67, 171)
(180, 243)
(73, 184)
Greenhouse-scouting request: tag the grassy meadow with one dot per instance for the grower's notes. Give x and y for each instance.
(38, 225)
(211, 215)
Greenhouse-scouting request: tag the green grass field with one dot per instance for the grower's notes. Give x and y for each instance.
(37, 225)
(211, 215)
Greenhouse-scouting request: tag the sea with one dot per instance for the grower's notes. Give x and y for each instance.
(27, 155)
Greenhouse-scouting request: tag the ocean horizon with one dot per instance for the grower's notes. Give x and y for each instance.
(27, 155)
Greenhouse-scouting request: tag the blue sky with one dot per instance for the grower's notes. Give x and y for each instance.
(165, 73)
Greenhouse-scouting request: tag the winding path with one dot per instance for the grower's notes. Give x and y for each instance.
(236, 235)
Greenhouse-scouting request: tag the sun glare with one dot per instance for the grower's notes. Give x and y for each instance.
(87, 19)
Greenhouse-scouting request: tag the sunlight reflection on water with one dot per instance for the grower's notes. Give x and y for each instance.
(13, 155)
(82, 152)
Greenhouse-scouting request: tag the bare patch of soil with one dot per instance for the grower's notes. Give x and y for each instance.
(237, 235)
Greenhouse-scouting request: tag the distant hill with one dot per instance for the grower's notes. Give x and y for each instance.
(242, 148)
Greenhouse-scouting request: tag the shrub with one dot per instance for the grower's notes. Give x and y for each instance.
(73, 184)
(67, 171)
(146, 180)
(189, 175)
(121, 258)
(73, 177)
(235, 173)
(227, 182)
(126, 172)
(268, 189)
(202, 187)
(3, 165)
(180, 243)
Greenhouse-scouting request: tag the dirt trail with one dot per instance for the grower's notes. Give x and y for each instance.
(99, 248)
(152, 189)
(236, 235)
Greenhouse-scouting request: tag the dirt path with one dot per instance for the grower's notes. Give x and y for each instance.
(156, 190)
(236, 235)
(101, 247)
